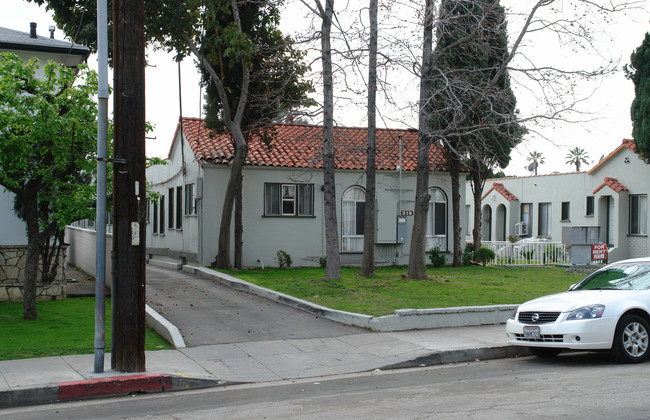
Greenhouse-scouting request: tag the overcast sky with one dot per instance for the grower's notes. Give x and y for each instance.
(610, 104)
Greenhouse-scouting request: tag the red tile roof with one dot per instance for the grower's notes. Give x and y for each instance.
(611, 183)
(625, 143)
(299, 146)
(498, 187)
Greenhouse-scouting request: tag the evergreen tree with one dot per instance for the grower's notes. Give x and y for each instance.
(639, 72)
(274, 90)
(474, 105)
(276, 87)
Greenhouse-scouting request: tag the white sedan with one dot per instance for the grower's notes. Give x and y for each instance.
(608, 310)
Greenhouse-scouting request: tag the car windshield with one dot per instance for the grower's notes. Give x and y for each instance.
(630, 276)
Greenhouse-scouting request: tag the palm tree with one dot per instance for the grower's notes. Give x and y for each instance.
(577, 156)
(537, 159)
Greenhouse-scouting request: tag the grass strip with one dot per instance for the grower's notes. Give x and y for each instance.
(389, 289)
(64, 327)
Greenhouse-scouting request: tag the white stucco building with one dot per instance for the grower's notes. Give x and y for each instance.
(612, 196)
(283, 199)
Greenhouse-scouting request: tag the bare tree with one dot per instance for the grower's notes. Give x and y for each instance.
(417, 267)
(368, 262)
(333, 258)
(556, 84)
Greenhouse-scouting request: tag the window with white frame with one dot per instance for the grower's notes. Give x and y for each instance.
(288, 199)
(437, 220)
(544, 226)
(353, 208)
(638, 214)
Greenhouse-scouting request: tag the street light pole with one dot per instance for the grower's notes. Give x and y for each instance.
(100, 229)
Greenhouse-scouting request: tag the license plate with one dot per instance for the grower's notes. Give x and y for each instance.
(531, 332)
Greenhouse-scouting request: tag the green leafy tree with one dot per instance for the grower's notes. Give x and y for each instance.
(639, 72)
(276, 88)
(577, 156)
(46, 144)
(182, 27)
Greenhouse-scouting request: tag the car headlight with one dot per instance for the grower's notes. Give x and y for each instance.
(587, 312)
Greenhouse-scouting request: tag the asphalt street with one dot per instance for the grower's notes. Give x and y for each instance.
(575, 386)
(209, 313)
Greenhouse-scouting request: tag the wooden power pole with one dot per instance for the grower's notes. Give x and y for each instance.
(129, 199)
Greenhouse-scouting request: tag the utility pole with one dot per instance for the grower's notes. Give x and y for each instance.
(129, 199)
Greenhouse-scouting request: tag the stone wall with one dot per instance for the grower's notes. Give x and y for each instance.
(12, 275)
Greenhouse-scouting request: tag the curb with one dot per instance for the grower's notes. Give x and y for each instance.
(461, 356)
(104, 387)
(163, 327)
(401, 320)
(157, 383)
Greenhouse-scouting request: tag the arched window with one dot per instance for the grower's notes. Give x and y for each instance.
(354, 206)
(437, 220)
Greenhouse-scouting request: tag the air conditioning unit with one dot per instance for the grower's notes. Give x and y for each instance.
(521, 229)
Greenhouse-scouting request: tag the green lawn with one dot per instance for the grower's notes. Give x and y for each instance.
(67, 327)
(64, 327)
(388, 289)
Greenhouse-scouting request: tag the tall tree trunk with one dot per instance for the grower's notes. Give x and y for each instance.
(417, 267)
(223, 255)
(30, 212)
(477, 192)
(454, 173)
(333, 263)
(368, 261)
(233, 123)
(239, 223)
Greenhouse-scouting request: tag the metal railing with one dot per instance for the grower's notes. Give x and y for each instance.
(528, 253)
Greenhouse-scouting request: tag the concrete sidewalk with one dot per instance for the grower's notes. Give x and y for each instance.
(283, 355)
(69, 378)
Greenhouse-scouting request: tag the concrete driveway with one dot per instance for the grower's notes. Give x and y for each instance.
(206, 312)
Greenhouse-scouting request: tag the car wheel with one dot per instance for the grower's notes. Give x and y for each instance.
(631, 339)
(544, 352)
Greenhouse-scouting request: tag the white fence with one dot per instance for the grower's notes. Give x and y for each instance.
(528, 253)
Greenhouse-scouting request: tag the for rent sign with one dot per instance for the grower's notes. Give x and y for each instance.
(598, 252)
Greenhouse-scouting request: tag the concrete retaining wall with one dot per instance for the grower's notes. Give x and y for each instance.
(82, 251)
(402, 320)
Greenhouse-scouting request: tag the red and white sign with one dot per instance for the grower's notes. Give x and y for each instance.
(598, 252)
